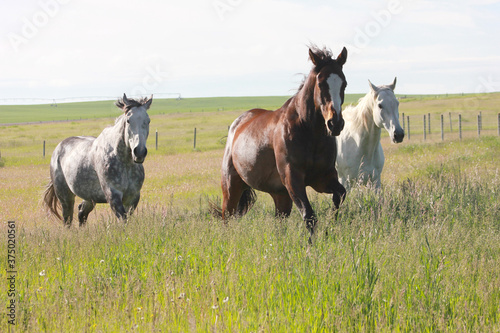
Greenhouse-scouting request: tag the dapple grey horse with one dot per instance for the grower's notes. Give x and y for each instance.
(106, 169)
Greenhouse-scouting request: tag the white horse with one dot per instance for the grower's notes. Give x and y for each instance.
(360, 157)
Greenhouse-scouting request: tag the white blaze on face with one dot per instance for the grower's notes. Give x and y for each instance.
(335, 84)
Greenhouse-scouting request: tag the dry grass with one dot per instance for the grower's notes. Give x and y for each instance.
(420, 255)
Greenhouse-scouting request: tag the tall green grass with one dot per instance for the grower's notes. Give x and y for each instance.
(420, 255)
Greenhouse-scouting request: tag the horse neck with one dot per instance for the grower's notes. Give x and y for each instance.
(115, 137)
(304, 101)
(368, 131)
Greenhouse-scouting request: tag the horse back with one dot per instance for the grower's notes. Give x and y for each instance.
(73, 150)
(72, 166)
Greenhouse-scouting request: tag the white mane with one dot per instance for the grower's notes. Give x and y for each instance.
(360, 115)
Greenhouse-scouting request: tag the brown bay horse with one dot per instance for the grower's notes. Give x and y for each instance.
(282, 152)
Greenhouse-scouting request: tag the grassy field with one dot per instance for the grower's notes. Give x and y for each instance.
(420, 255)
(13, 114)
(106, 109)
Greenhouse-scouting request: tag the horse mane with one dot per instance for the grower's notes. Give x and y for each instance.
(360, 114)
(325, 55)
(130, 103)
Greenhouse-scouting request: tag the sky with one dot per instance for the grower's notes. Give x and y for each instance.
(89, 49)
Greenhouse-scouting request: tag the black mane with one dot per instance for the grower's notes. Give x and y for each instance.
(325, 55)
(128, 103)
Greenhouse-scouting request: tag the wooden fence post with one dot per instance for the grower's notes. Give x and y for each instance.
(429, 120)
(156, 139)
(408, 121)
(498, 121)
(43, 149)
(194, 145)
(442, 128)
(479, 125)
(460, 126)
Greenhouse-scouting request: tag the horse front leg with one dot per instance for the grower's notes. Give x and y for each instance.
(331, 184)
(295, 185)
(115, 200)
(84, 210)
(130, 207)
(339, 193)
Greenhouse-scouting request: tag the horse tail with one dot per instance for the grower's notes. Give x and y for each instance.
(247, 200)
(215, 209)
(51, 201)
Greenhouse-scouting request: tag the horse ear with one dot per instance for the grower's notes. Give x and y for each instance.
(314, 58)
(342, 57)
(148, 103)
(125, 99)
(393, 84)
(373, 87)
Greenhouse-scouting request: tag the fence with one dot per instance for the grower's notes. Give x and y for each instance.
(450, 125)
(418, 128)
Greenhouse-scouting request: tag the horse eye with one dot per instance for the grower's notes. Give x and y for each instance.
(128, 121)
(380, 106)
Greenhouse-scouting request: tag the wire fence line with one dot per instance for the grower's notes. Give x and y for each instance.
(418, 128)
(452, 125)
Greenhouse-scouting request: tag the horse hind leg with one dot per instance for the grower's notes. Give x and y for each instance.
(283, 204)
(84, 210)
(237, 196)
(67, 200)
(68, 205)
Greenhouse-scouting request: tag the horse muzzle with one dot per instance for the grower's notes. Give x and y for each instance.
(398, 136)
(335, 127)
(139, 155)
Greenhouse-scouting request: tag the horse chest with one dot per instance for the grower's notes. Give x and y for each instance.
(371, 157)
(125, 177)
(315, 157)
